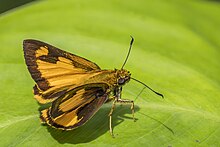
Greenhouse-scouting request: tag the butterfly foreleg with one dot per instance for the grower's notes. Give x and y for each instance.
(117, 99)
(124, 101)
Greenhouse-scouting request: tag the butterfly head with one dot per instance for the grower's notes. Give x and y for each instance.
(123, 76)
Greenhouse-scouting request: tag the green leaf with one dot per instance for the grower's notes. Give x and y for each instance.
(176, 52)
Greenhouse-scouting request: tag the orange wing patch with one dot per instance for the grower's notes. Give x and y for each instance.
(42, 51)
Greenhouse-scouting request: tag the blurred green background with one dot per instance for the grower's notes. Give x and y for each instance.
(176, 52)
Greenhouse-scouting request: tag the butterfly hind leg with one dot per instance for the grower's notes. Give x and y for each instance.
(117, 99)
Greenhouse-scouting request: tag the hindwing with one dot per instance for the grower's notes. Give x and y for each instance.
(76, 106)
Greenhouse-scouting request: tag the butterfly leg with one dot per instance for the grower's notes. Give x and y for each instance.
(113, 107)
(116, 96)
(110, 117)
(117, 99)
(125, 101)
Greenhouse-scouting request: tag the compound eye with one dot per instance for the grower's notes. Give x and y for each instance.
(121, 81)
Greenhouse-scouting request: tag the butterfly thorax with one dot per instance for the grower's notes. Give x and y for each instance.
(113, 78)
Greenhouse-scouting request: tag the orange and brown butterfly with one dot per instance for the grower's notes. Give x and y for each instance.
(75, 86)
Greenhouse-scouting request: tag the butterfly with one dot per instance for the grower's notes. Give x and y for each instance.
(75, 87)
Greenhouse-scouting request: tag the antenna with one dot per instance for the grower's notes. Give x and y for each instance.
(147, 87)
(129, 50)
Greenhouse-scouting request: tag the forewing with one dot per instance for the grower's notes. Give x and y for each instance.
(54, 70)
(75, 107)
